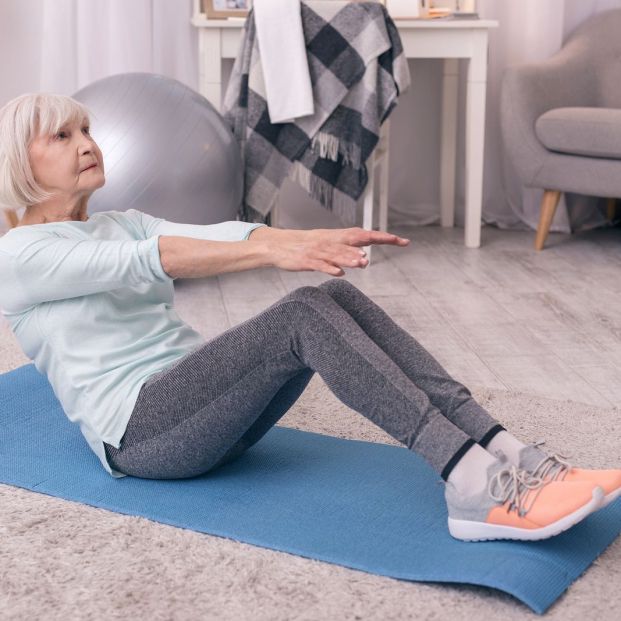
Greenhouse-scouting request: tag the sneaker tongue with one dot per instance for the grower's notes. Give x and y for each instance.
(500, 464)
(530, 457)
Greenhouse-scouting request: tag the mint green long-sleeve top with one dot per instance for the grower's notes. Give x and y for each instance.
(91, 305)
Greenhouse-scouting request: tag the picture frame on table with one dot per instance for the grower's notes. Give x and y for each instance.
(221, 9)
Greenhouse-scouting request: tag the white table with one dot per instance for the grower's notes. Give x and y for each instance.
(447, 39)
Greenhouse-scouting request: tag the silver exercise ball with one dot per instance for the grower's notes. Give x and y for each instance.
(167, 151)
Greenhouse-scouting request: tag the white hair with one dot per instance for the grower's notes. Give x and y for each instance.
(21, 121)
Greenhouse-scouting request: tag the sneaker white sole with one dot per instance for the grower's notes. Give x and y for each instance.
(480, 531)
(611, 497)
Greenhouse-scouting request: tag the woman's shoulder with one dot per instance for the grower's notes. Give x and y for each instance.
(15, 237)
(20, 233)
(96, 224)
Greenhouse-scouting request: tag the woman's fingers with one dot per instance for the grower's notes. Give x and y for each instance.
(330, 268)
(381, 237)
(357, 236)
(365, 237)
(332, 258)
(344, 256)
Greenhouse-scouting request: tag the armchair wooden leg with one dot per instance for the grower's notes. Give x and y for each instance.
(11, 218)
(611, 208)
(548, 207)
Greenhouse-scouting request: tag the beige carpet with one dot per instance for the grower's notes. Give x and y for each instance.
(65, 560)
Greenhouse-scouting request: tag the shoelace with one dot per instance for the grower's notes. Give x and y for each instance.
(514, 485)
(553, 466)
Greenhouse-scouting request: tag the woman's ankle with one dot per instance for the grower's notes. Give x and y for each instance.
(508, 444)
(469, 475)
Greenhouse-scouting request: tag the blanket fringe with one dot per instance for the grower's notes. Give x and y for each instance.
(325, 194)
(329, 146)
(301, 175)
(322, 191)
(325, 145)
(316, 187)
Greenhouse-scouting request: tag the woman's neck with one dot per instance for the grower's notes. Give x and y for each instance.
(41, 214)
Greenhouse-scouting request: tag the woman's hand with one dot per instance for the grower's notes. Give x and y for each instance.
(355, 236)
(329, 250)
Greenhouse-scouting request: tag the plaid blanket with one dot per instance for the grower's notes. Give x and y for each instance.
(358, 69)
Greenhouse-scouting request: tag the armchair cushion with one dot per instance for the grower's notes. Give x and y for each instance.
(593, 132)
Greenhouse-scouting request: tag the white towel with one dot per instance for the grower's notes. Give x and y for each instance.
(283, 59)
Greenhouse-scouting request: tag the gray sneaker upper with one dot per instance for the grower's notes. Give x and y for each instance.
(505, 482)
(539, 464)
(530, 457)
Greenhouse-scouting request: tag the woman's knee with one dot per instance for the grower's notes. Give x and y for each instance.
(305, 302)
(307, 293)
(336, 284)
(331, 286)
(341, 290)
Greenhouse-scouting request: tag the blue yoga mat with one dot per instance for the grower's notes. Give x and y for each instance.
(364, 505)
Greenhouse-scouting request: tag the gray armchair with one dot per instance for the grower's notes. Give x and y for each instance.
(561, 119)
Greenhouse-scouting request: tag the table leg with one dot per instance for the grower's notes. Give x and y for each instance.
(210, 66)
(475, 138)
(369, 203)
(384, 145)
(449, 141)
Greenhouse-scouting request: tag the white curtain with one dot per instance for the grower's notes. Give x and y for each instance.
(86, 40)
(62, 45)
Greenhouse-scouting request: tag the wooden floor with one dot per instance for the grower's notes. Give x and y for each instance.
(502, 316)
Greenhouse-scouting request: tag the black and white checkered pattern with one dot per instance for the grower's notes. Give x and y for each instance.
(358, 69)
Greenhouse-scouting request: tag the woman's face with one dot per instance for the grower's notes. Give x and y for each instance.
(69, 163)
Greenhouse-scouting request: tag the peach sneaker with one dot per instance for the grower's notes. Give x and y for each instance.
(556, 467)
(516, 505)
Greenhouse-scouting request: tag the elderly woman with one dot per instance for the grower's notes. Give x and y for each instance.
(90, 300)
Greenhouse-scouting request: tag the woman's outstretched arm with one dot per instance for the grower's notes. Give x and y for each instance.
(323, 250)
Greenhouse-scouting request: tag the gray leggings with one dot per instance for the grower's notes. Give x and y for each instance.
(217, 401)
